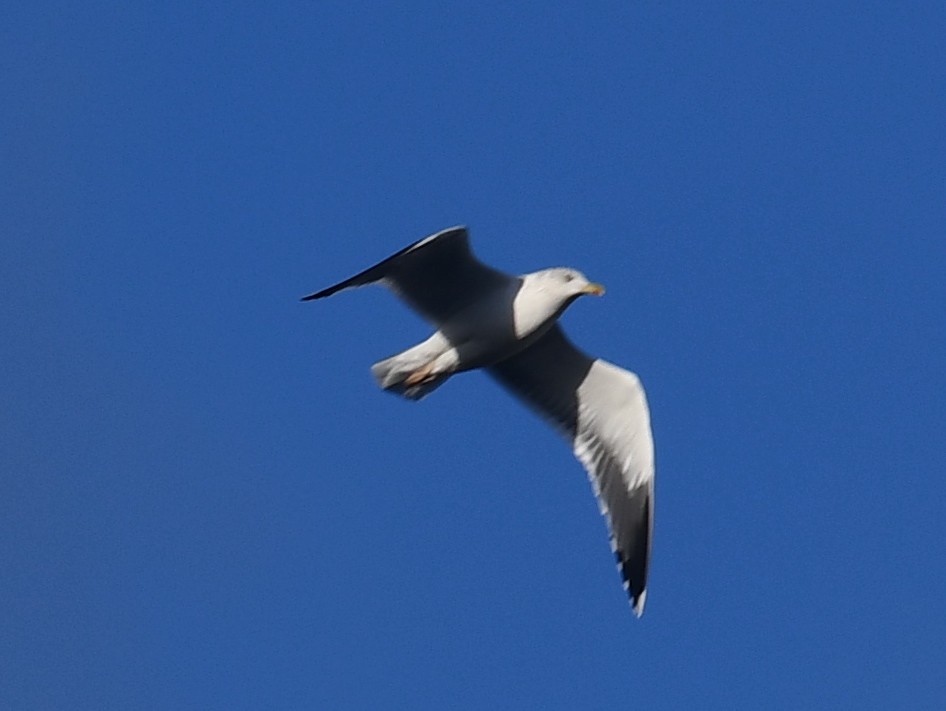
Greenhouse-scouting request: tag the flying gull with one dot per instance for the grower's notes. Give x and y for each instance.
(508, 325)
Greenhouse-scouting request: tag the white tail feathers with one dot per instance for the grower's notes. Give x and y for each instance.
(404, 374)
(392, 373)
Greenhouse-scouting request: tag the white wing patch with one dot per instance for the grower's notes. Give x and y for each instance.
(613, 442)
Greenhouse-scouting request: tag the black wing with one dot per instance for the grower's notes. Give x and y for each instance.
(436, 276)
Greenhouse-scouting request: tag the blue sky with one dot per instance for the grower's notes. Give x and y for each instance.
(206, 502)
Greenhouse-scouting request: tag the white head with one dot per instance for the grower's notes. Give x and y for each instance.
(544, 295)
(566, 283)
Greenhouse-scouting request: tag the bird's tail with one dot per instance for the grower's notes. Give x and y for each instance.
(404, 374)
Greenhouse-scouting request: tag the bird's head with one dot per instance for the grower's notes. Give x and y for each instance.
(569, 283)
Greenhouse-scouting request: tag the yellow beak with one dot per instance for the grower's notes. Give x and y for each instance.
(594, 290)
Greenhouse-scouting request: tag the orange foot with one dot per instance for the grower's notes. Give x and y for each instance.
(420, 375)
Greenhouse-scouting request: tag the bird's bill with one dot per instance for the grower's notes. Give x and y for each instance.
(594, 290)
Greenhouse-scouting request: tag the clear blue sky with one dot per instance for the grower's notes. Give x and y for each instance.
(206, 503)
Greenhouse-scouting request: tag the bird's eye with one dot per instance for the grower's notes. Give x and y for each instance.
(569, 277)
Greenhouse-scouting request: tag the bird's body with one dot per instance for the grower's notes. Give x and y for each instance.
(508, 325)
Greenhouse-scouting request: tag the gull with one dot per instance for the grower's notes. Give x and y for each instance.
(508, 326)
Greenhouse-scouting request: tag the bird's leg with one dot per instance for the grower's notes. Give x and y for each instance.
(421, 375)
(444, 365)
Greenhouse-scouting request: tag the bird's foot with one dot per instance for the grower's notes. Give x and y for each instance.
(421, 375)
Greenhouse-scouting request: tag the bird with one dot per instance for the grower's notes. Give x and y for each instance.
(508, 326)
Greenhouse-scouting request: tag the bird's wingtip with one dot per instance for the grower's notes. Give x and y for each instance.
(638, 603)
(322, 294)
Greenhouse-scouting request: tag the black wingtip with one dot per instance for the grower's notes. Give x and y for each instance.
(321, 294)
(633, 579)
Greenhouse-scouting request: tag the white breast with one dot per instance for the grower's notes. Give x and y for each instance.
(535, 307)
